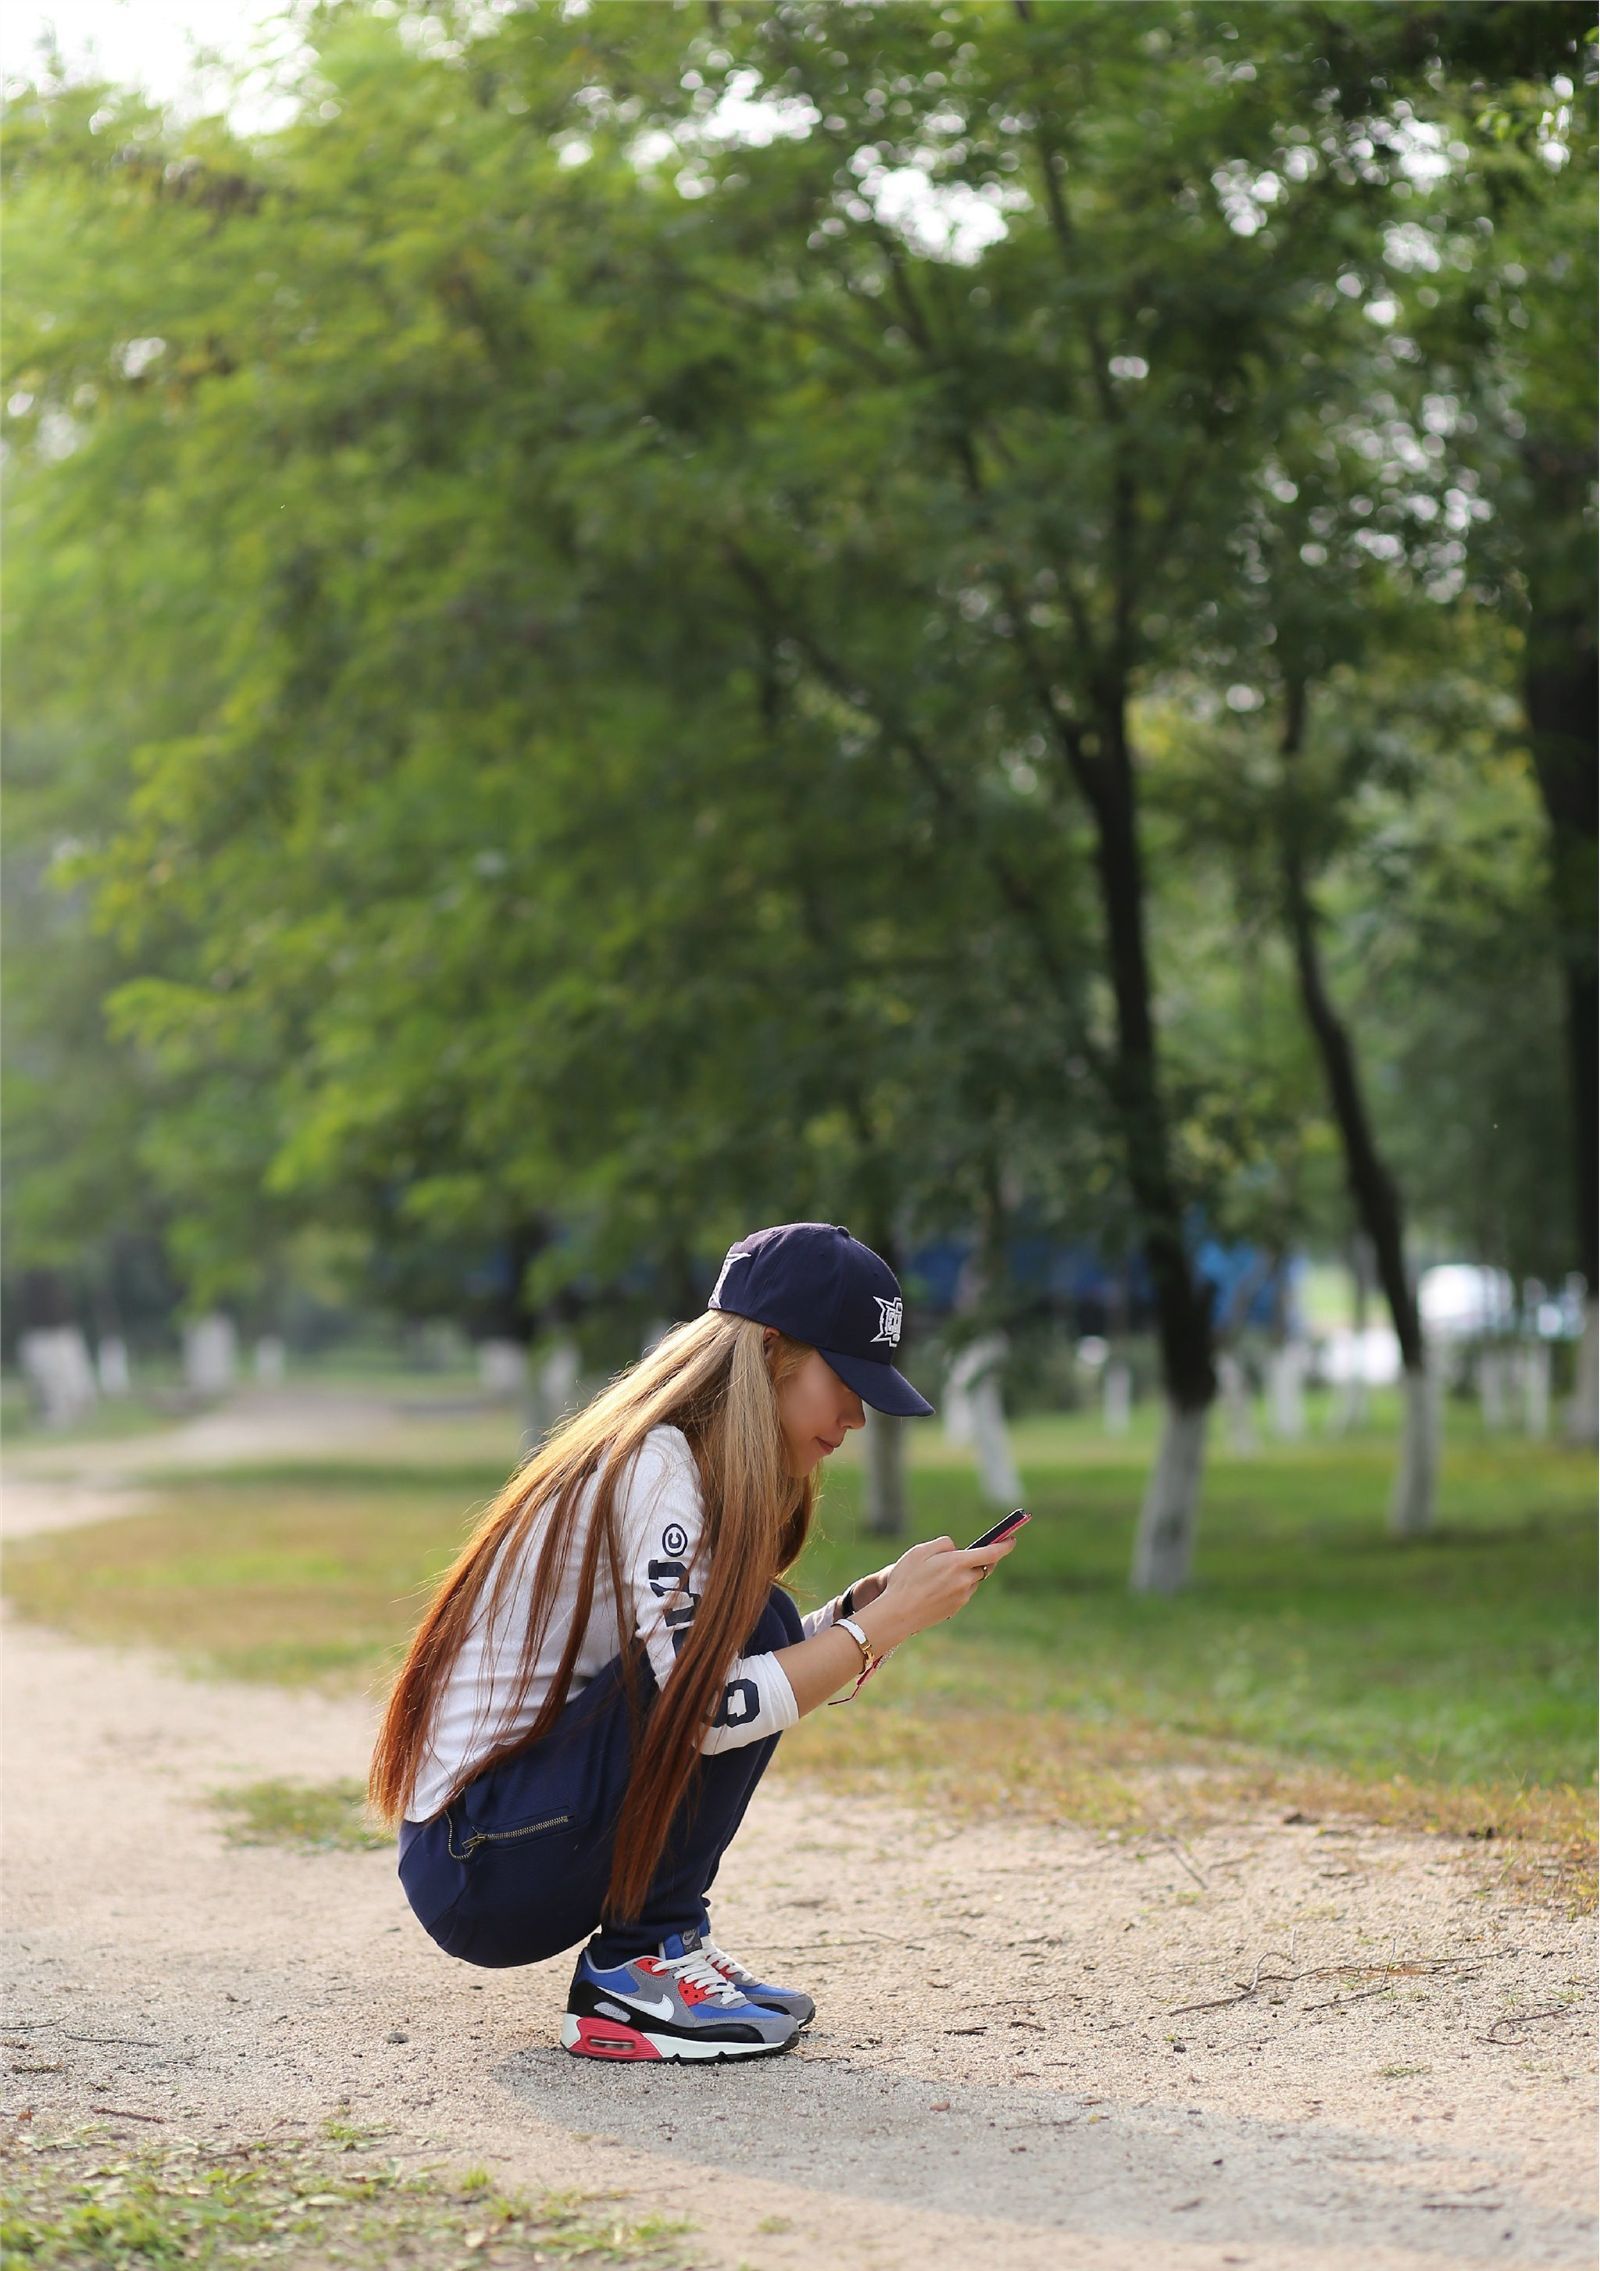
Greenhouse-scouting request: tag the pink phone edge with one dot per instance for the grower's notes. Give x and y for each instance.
(1009, 1530)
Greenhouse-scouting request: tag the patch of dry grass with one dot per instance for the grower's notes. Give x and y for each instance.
(1143, 1782)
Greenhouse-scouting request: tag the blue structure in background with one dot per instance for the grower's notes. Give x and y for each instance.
(1076, 1282)
(1070, 1280)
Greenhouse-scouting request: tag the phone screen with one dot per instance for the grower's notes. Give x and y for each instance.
(1003, 1528)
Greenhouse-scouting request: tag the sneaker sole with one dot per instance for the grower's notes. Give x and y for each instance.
(604, 2038)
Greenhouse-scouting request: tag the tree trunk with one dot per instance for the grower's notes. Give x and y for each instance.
(998, 1475)
(1535, 1384)
(1164, 1547)
(1583, 1412)
(1236, 1403)
(1411, 1508)
(998, 1479)
(111, 1366)
(551, 1392)
(1286, 1386)
(55, 1362)
(1494, 1385)
(1163, 1550)
(1350, 1405)
(1372, 1189)
(210, 1353)
(1116, 1397)
(1559, 693)
(886, 1475)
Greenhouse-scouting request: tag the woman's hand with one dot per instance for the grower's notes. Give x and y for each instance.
(928, 1585)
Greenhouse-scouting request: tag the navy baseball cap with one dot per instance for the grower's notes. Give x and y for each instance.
(818, 1284)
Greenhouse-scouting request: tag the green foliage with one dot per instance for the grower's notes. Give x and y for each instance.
(570, 635)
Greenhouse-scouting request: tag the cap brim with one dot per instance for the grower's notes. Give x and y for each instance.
(879, 1385)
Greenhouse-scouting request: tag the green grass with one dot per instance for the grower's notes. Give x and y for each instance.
(312, 1817)
(1308, 1640)
(85, 2201)
(1467, 1656)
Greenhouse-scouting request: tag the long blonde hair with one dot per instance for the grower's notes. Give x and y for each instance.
(713, 1379)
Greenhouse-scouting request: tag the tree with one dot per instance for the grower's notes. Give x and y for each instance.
(563, 475)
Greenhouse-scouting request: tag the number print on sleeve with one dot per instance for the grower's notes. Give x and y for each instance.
(740, 1701)
(667, 1580)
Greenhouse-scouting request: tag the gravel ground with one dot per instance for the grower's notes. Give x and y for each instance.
(1396, 2070)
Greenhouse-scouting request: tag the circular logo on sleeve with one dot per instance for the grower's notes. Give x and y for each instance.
(674, 1538)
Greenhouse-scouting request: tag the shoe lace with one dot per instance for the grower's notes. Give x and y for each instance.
(697, 1970)
(729, 1966)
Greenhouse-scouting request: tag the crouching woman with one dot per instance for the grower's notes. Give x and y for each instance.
(595, 1690)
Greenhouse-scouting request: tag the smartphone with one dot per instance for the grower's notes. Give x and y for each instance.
(1002, 1529)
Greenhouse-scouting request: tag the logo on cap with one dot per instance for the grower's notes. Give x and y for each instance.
(888, 1321)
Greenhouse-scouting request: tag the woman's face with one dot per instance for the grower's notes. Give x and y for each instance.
(816, 1411)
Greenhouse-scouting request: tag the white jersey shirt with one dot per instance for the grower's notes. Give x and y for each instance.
(660, 1531)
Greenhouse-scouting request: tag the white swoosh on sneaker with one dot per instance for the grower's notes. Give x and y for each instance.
(659, 2007)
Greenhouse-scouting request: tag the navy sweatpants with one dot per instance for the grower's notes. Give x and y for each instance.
(516, 1868)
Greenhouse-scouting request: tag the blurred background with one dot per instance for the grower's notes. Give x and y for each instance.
(630, 621)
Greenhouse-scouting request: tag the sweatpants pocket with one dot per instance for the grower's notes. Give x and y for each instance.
(468, 1838)
(568, 1784)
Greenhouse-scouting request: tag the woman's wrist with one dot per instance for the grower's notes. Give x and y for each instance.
(882, 1626)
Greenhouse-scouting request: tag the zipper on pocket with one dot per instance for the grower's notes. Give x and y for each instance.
(510, 1836)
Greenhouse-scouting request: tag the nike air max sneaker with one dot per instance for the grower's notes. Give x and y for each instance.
(799, 2007)
(672, 2005)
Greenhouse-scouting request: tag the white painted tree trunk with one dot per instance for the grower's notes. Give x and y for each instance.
(1536, 1388)
(502, 1367)
(998, 1477)
(1583, 1411)
(1286, 1390)
(1236, 1405)
(111, 1366)
(55, 1363)
(551, 1390)
(1411, 1508)
(975, 1382)
(210, 1353)
(1164, 1545)
(439, 1345)
(1492, 1375)
(269, 1359)
(886, 1475)
(1349, 1404)
(1116, 1397)
(955, 1410)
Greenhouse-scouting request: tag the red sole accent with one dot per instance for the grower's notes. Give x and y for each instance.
(603, 2038)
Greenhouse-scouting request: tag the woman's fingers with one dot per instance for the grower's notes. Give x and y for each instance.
(936, 1579)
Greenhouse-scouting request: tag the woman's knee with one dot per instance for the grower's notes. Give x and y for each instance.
(779, 1625)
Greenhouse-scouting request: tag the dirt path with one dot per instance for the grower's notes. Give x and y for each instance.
(1000, 2072)
(57, 1486)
